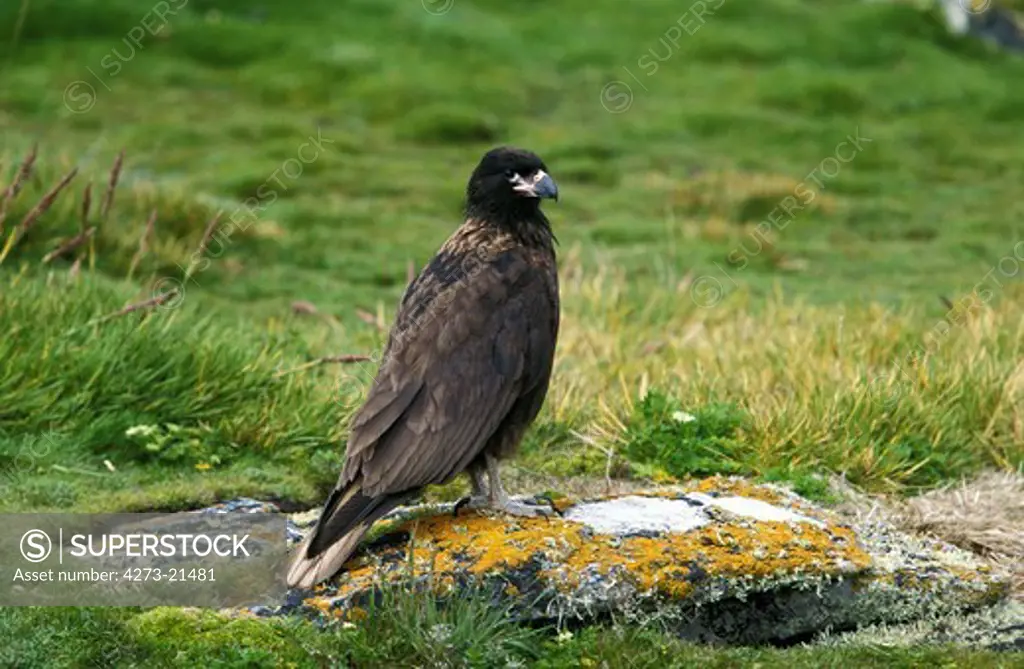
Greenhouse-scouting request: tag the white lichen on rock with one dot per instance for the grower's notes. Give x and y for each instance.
(999, 627)
(633, 514)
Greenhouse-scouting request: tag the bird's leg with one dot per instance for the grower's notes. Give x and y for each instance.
(476, 474)
(499, 500)
(478, 497)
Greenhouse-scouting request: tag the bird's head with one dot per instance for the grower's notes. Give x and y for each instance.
(509, 183)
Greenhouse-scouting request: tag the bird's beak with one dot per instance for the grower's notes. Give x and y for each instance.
(541, 185)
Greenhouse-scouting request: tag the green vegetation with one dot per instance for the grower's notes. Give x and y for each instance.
(660, 433)
(799, 225)
(185, 407)
(402, 634)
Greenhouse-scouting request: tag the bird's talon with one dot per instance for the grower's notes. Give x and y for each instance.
(471, 502)
(459, 504)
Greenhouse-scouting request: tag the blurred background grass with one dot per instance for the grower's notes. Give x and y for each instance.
(214, 103)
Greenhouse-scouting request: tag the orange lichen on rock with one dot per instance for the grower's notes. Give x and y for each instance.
(480, 544)
(569, 553)
(318, 603)
(673, 563)
(724, 485)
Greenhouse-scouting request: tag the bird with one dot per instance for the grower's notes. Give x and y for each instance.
(465, 370)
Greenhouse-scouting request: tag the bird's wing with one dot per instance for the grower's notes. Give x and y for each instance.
(453, 373)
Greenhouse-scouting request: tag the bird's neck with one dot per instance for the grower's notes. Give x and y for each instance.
(526, 224)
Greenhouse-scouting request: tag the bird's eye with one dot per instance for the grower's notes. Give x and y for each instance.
(510, 174)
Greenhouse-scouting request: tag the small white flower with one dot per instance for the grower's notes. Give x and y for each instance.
(440, 633)
(140, 430)
(683, 417)
(564, 636)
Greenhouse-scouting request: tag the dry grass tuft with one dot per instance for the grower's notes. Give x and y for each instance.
(984, 515)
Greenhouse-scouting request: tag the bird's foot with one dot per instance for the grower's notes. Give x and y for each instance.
(523, 506)
(499, 500)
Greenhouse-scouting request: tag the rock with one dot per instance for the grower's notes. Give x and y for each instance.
(721, 561)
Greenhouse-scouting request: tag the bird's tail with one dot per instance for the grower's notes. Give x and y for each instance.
(347, 516)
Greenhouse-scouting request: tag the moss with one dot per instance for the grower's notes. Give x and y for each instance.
(159, 626)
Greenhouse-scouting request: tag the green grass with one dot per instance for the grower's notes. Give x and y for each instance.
(224, 421)
(715, 261)
(401, 635)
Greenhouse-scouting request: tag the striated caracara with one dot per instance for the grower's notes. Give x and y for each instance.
(465, 370)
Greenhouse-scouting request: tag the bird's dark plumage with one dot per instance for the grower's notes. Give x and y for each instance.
(466, 367)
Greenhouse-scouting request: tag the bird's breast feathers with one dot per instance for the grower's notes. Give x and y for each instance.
(471, 280)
